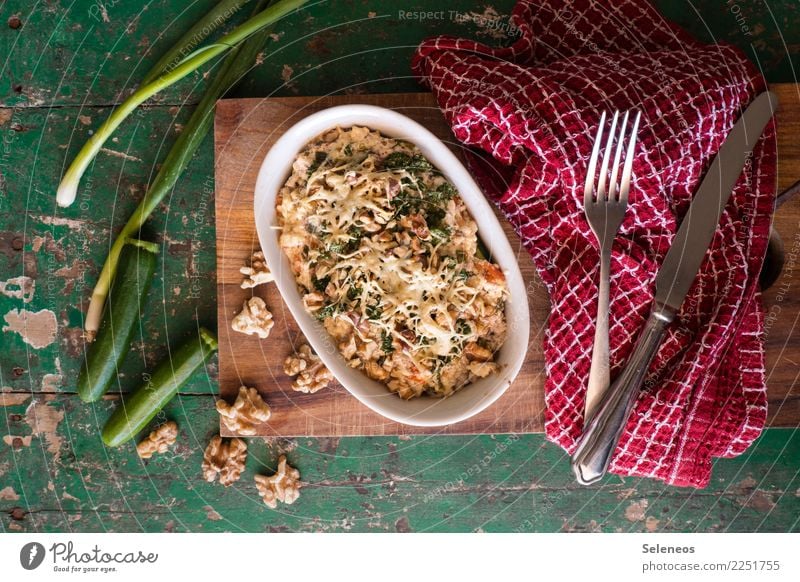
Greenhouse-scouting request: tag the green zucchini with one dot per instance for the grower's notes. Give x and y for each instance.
(146, 401)
(128, 293)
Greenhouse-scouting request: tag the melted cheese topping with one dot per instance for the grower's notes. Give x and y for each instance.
(384, 252)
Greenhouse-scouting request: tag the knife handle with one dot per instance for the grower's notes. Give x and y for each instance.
(603, 429)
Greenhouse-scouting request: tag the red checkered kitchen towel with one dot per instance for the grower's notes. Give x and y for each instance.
(533, 109)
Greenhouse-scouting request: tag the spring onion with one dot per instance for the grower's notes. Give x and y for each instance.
(235, 66)
(199, 31)
(68, 188)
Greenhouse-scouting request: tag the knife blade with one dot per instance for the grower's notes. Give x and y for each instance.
(678, 270)
(694, 236)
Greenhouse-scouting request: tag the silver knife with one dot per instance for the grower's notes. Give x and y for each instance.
(677, 272)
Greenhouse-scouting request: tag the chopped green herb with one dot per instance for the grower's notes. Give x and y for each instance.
(464, 274)
(345, 247)
(403, 161)
(374, 311)
(327, 311)
(442, 194)
(434, 216)
(319, 159)
(386, 342)
(462, 327)
(336, 248)
(446, 191)
(348, 150)
(405, 204)
(440, 234)
(397, 160)
(356, 234)
(354, 293)
(320, 284)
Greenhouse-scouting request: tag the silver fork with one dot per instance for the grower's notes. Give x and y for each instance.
(605, 202)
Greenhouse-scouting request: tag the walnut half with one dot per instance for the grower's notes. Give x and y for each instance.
(244, 415)
(224, 457)
(283, 486)
(257, 273)
(312, 375)
(159, 440)
(254, 318)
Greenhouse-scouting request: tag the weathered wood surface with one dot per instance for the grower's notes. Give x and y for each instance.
(63, 67)
(65, 480)
(92, 52)
(245, 130)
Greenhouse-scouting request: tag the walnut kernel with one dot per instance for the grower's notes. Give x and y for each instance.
(283, 486)
(254, 318)
(312, 375)
(159, 440)
(244, 416)
(312, 381)
(224, 457)
(257, 273)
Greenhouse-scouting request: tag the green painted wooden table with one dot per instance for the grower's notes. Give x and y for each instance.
(65, 63)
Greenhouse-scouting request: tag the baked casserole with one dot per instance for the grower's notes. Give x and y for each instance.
(386, 255)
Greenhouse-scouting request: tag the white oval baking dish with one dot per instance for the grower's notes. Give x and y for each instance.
(423, 411)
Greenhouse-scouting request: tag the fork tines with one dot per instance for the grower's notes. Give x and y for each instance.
(612, 188)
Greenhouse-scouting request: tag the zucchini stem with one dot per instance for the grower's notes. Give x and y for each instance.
(141, 406)
(209, 339)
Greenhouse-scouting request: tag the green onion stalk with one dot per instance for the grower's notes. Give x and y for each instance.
(235, 66)
(68, 188)
(192, 38)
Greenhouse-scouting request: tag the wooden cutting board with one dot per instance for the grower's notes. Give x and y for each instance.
(245, 129)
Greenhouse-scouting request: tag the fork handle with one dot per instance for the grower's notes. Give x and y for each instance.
(590, 460)
(599, 373)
